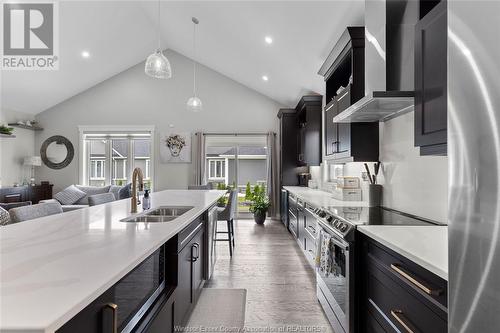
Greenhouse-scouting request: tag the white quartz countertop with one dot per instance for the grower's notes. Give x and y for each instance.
(321, 198)
(427, 246)
(53, 267)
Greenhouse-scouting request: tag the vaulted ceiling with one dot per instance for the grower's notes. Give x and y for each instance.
(120, 34)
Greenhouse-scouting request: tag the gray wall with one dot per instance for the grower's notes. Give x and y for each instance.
(131, 98)
(13, 150)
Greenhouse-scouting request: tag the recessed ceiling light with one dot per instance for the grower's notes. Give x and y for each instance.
(265, 78)
(268, 39)
(85, 54)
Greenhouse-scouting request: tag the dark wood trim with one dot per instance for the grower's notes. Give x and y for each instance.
(435, 150)
(352, 37)
(283, 112)
(31, 128)
(309, 100)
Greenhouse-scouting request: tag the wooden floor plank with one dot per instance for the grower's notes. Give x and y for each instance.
(280, 283)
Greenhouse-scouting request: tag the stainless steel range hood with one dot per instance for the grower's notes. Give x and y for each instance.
(389, 64)
(377, 106)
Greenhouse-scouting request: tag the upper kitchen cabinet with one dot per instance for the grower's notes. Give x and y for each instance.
(344, 73)
(288, 133)
(431, 79)
(309, 130)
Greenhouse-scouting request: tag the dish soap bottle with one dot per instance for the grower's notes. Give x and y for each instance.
(146, 200)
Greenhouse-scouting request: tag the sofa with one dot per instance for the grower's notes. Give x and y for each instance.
(76, 196)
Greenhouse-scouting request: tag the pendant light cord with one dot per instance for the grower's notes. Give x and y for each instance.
(159, 44)
(194, 59)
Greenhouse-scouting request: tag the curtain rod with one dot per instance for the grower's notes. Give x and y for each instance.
(236, 134)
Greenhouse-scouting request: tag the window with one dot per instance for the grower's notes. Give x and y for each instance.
(217, 169)
(97, 169)
(109, 158)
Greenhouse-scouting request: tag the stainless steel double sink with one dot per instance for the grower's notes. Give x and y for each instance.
(160, 214)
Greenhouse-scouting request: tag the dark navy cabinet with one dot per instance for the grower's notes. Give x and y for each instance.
(397, 295)
(431, 81)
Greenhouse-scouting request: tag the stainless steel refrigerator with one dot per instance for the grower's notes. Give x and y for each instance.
(474, 165)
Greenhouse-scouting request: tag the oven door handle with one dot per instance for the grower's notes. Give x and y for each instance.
(336, 239)
(309, 211)
(339, 243)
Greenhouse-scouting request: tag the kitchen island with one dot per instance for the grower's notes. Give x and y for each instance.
(53, 267)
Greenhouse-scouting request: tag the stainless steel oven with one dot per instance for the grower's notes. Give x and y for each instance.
(333, 287)
(335, 279)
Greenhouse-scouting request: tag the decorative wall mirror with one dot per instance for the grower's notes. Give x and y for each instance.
(57, 152)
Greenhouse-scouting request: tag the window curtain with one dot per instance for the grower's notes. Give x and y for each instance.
(272, 174)
(199, 161)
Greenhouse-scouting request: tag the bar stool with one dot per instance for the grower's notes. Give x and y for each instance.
(227, 214)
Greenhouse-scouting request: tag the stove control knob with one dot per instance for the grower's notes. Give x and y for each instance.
(336, 223)
(329, 218)
(322, 214)
(343, 227)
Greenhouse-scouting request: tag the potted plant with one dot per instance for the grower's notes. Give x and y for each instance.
(6, 130)
(260, 204)
(223, 200)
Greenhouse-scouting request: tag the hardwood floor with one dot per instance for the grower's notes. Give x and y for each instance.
(281, 286)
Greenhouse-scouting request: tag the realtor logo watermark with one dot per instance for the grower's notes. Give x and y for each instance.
(30, 38)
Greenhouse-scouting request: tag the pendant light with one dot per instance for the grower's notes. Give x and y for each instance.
(194, 103)
(157, 65)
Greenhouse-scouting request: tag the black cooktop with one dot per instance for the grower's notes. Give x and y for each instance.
(377, 216)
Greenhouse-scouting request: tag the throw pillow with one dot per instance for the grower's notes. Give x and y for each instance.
(69, 195)
(115, 189)
(91, 190)
(4, 217)
(124, 193)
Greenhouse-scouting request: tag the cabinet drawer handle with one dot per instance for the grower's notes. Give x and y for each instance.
(399, 316)
(335, 146)
(110, 318)
(195, 257)
(344, 95)
(413, 280)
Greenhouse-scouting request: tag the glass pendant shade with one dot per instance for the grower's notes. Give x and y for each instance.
(158, 66)
(194, 104)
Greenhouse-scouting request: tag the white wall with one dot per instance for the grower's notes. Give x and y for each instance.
(412, 183)
(132, 98)
(13, 150)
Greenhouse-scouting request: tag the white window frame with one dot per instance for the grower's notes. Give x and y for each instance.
(147, 171)
(103, 169)
(212, 165)
(82, 156)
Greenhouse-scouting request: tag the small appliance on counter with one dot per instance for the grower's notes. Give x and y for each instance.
(348, 182)
(345, 188)
(347, 194)
(304, 178)
(313, 184)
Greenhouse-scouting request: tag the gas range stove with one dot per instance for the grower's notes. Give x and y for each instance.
(344, 220)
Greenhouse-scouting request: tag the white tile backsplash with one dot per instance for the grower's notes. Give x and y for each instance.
(412, 183)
